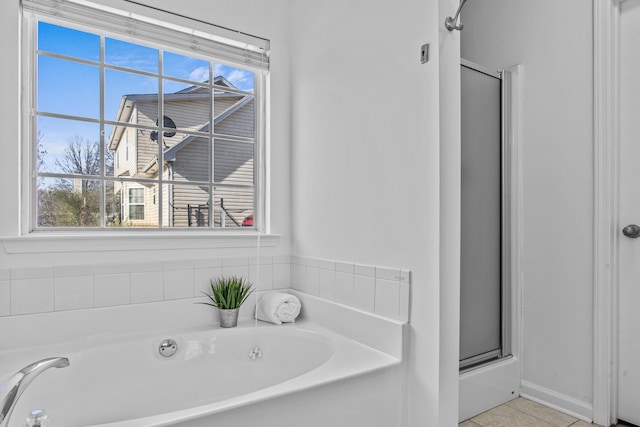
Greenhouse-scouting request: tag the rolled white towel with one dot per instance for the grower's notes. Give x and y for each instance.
(278, 308)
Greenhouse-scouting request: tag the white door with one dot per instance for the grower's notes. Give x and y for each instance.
(629, 247)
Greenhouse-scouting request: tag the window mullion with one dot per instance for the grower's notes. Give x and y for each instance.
(161, 144)
(103, 172)
(212, 201)
(33, 145)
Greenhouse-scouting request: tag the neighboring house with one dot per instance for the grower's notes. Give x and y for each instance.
(186, 158)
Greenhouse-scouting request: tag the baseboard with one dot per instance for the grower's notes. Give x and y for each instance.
(558, 401)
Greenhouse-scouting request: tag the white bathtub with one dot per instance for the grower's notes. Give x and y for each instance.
(307, 376)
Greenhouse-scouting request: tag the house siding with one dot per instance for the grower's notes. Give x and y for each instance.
(184, 195)
(237, 200)
(192, 162)
(125, 164)
(240, 123)
(231, 163)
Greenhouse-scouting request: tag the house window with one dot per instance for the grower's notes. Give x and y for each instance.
(136, 204)
(193, 102)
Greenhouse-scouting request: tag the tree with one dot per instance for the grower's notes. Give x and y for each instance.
(75, 202)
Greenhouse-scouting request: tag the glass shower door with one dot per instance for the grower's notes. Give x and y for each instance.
(481, 258)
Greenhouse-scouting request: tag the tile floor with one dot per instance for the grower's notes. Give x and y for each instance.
(521, 412)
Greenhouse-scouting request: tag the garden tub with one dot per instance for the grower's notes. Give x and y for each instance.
(263, 375)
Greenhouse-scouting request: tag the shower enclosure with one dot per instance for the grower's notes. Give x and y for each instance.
(484, 265)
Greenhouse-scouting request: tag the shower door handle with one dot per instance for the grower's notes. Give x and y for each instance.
(632, 231)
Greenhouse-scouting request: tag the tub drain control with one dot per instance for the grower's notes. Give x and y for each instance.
(37, 418)
(168, 348)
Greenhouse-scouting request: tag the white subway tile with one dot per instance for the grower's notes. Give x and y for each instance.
(327, 265)
(299, 277)
(208, 263)
(32, 295)
(178, 284)
(312, 280)
(387, 302)
(112, 289)
(364, 293)
(73, 292)
(5, 298)
(236, 270)
(327, 284)
(405, 302)
(178, 265)
(312, 262)
(345, 267)
(365, 270)
(282, 259)
(32, 273)
(147, 286)
(281, 276)
(345, 288)
(405, 276)
(238, 261)
(202, 277)
(147, 267)
(105, 269)
(392, 274)
(73, 270)
(261, 276)
(263, 260)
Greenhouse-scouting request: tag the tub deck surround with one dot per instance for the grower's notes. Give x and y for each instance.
(383, 334)
(117, 348)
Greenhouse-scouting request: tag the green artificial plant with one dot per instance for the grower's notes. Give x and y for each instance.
(228, 292)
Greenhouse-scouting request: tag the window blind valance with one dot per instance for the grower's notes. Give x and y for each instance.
(160, 27)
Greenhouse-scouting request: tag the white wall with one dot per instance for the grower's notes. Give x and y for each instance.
(553, 42)
(450, 202)
(365, 149)
(355, 143)
(266, 19)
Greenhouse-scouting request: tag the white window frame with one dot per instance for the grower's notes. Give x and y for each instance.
(178, 33)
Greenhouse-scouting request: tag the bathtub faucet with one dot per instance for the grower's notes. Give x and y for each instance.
(12, 389)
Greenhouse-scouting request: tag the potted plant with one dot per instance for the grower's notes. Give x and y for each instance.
(227, 295)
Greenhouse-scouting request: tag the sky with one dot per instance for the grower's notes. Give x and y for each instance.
(73, 88)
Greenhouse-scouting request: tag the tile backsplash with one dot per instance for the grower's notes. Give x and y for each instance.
(380, 290)
(383, 291)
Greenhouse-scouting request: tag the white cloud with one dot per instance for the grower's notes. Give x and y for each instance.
(238, 76)
(200, 74)
(242, 79)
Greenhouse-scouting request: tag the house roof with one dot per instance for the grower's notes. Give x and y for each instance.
(190, 93)
(218, 80)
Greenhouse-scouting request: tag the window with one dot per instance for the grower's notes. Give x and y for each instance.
(136, 204)
(96, 134)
